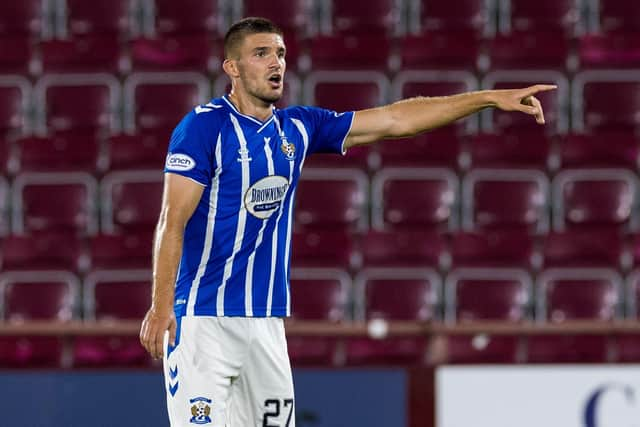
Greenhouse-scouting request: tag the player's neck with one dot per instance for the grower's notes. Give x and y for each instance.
(257, 109)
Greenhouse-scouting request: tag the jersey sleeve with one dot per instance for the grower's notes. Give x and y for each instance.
(329, 130)
(190, 153)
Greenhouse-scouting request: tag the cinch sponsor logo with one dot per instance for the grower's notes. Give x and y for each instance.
(264, 197)
(180, 162)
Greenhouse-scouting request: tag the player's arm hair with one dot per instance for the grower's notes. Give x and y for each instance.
(179, 200)
(413, 116)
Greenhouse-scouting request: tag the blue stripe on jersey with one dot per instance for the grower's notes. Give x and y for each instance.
(235, 260)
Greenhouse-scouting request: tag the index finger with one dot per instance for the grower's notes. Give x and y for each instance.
(531, 90)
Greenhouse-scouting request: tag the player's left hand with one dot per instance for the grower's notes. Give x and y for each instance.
(522, 100)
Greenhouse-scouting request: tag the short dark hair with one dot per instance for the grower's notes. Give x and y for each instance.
(245, 26)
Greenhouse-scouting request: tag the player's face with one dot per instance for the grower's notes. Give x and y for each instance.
(262, 65)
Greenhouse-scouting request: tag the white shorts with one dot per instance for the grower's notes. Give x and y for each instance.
(229, 372)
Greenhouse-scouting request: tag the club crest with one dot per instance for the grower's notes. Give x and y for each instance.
(200, 410)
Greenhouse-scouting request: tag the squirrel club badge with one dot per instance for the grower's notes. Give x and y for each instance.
(288, 149)
(200, 410)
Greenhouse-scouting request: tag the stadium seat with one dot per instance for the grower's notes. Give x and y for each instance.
(412, 83)
(458, 50)
(326, 89)
(572, 294)
(54, 201)
(615, 16)
(554, 103)
(62, 152)
(463, 15)
(394, 294)
(160, 100)
(18, 55)
(342, 18)
(606, 51)
(188, 17)
(586, 247)
(332, 199)
(412, 198)
(515, 199)
(604, 198)
(440, 148)
(350, 52)
(606, 100)
(600, 149)
(298, 20)
(627, 348)
(147, 150)
(104, 291)
(323, 248)
(77, 102)
(318, 294)
(403, 248)
(113, 18)
(21, 24)
(44, 250)
(82, 54)
(130, 200)
(494, 248)
(196, 53)
(559, 16)
(473, 294)
(530, 50)
(58, 295)
(15, 104)
(121, 251)
(512, 149)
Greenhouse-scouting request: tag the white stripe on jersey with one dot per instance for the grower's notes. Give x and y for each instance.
(208, 240)
(248, 283)
(242, 219)
(305, 140)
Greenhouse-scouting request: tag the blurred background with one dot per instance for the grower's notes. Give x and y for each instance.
(531, 229)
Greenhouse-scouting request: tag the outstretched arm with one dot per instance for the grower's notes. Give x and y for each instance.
(416, 115)
(180, 198)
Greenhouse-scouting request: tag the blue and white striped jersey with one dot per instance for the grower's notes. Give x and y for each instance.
(237, 244)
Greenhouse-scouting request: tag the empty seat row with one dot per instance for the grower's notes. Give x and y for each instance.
(507, 295)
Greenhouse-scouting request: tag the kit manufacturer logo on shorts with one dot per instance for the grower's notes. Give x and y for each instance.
(179, 162)
(264, 197)
(200, 410)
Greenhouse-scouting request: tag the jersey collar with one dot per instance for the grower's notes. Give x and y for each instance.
(252, 119)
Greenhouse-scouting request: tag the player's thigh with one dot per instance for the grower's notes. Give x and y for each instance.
(263, 394)
(198, 372)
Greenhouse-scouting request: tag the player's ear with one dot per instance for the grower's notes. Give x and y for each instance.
(230, 67)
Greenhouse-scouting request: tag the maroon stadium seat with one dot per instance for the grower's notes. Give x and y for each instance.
(160, 100)
(560, 16)
(505, 199)
(146, 150)
(379, 16)
(82, 54)
(601, 149)
(18, 55)
(394, 294)
(586, 247)
(412, 198)
(606, 100)
(493, 248)
(104, 291)
(473, 294)
(350, 52)
(121, 251)
(63, 201)
(614, 50)
(15, 100)
(44, 250)
(440, 50)
(628, 349)
(58, 295)
(105, 17)
(177, 53)
(188, 17)
(130, 200)
(529, 50)
(332, 198)
(62, 152)
(595, 198)
(554, 102)
(327, 88)
(439, 148)
(617, 16)
(511, 149)
(21, 23)
(403, 248)
(462, 15)
(318, 294)
(572, 294)
(77, 102)
(323, 248)
(297, 20)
